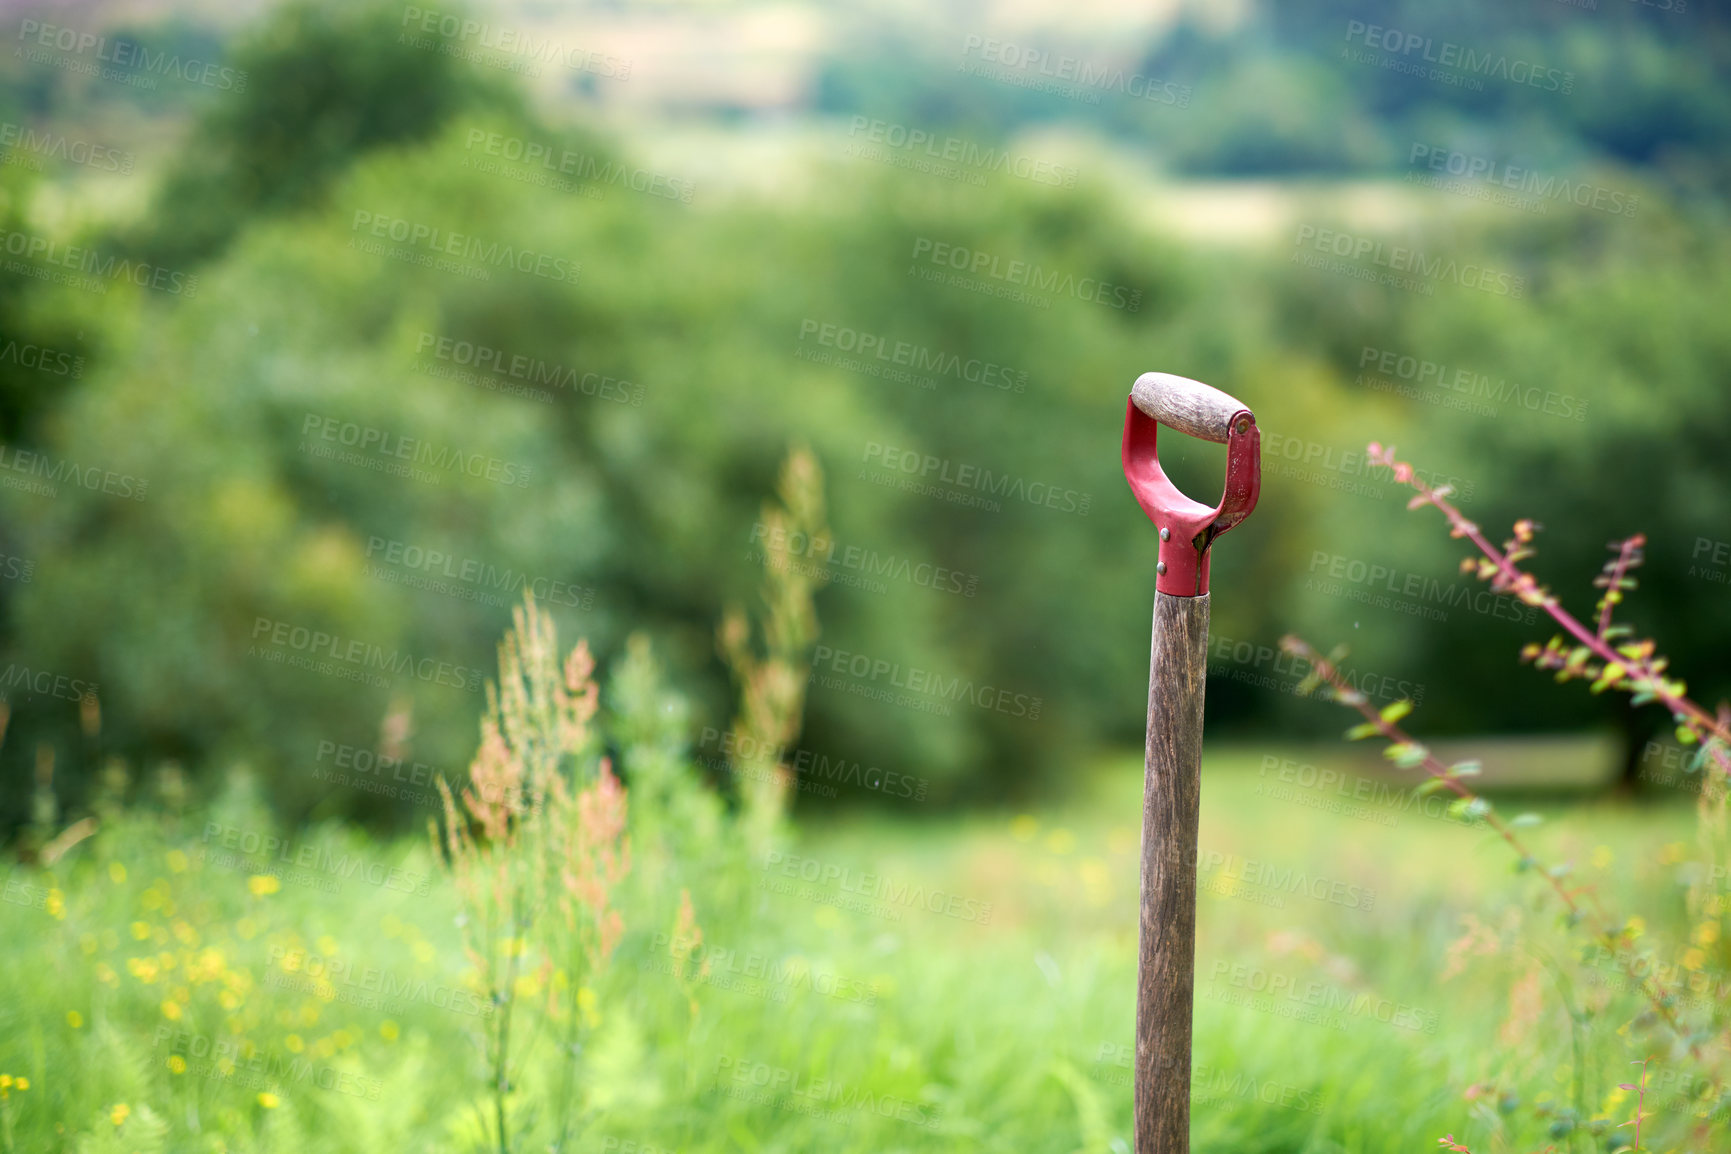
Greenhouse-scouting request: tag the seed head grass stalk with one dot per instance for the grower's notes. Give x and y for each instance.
(772, 676)
(541, 830)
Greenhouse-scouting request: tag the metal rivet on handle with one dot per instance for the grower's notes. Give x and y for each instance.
(1165, 534)
(1160, 568)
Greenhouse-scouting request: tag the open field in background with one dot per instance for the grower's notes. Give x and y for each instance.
(880, 984)
(794, 163)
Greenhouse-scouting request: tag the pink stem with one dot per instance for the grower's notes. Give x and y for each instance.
(1622, 567)
(1514, 576)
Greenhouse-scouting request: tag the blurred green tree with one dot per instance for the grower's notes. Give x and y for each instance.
(326, 83)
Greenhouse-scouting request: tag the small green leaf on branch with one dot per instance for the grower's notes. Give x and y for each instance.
(1406, 754)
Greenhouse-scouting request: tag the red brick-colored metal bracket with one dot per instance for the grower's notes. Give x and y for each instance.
(1187, 527)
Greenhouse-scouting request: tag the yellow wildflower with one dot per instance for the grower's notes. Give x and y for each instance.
(74, 1019)
(176, 1064)
(176, 861)
(118, 1112)
(586, 1002)
(1096, 881)
(268, 1100)
(262, 884)
(116, 872)
(208, 966)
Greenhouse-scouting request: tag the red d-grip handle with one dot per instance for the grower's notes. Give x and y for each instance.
(1188, 528)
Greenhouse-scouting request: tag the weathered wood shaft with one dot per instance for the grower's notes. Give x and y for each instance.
(1171, 802)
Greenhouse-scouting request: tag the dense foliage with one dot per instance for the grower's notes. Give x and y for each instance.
(403, 372)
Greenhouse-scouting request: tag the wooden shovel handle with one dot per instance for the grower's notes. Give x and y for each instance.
(1171, 801)
(1186, 405)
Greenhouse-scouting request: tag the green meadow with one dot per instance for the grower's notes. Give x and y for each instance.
(1371, 974)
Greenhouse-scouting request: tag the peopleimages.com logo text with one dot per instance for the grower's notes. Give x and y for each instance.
(953, 155)
(125, 54)
(1012, 276)
(442, 242)
(1042, 71)
(867, 672)
(360, 657)
(1409, 267)
(1446, 61)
